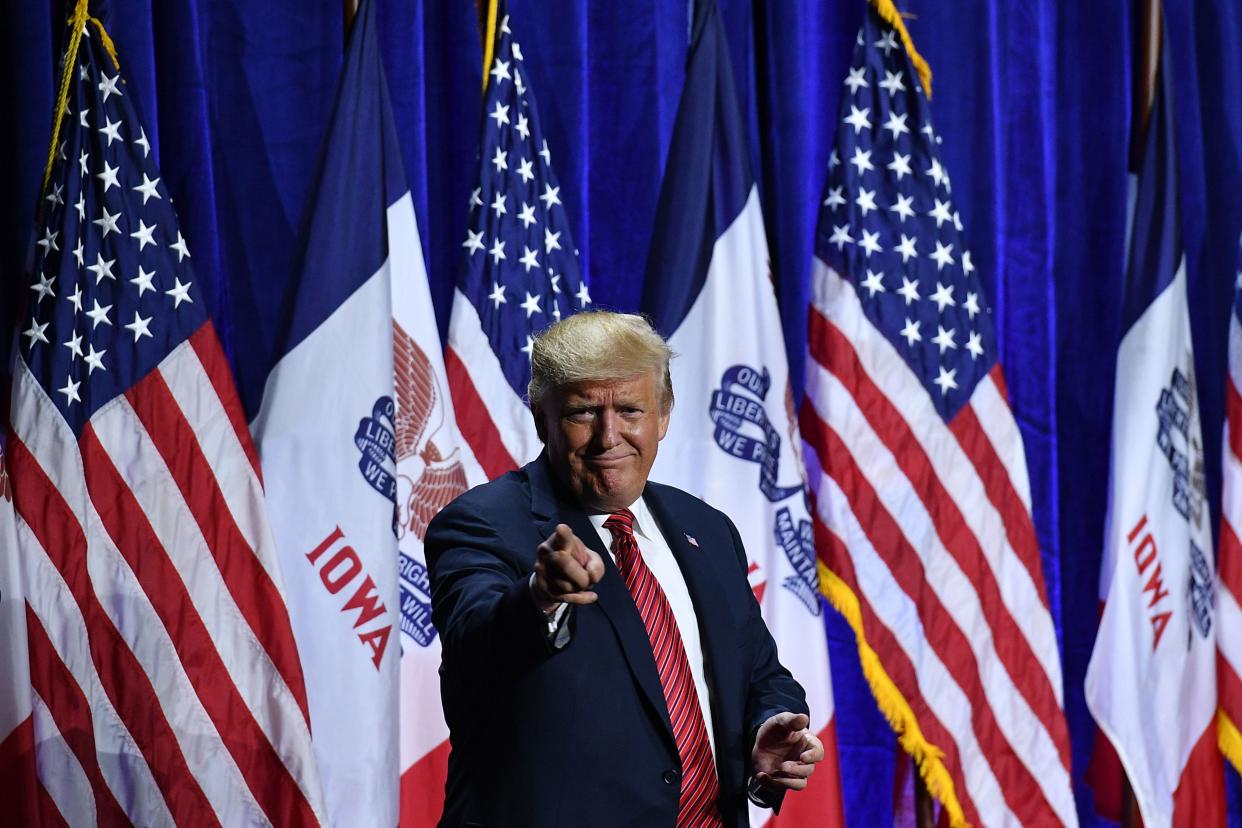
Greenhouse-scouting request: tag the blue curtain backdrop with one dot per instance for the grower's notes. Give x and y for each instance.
(1032, 98)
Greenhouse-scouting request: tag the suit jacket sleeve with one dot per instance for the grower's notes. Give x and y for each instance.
(482, 605)
(772, 689)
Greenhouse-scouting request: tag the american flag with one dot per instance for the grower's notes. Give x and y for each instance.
(522, 269)
(922, 504)
(166, 682)
(1229, 565)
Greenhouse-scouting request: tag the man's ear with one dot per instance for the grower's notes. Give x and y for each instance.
(541, 428)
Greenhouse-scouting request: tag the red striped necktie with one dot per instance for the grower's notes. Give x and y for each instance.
(699, 786)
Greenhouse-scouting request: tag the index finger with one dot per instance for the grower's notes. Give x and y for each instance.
(562, 538)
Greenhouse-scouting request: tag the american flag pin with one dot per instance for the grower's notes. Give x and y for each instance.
(690, 539)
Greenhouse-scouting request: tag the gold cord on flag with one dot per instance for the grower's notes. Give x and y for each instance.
(489, 40)
(927, 757)
(890, 14)
(1229, 739)
(77, 27)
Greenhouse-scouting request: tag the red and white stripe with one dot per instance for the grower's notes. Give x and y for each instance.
(494, 421)
(1229, 566)
(929, 525)
(166, 679)
(20, 792)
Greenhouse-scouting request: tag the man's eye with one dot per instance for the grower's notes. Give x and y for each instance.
(580, 416)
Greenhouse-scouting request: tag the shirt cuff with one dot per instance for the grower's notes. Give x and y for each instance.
(758, 794)
(557, 631)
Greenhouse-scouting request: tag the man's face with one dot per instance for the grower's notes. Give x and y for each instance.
(602, 437)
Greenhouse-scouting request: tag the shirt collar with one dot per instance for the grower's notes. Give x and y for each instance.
(644, 523)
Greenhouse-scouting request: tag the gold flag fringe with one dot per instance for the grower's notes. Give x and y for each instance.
(927, 757)
(1229, 739)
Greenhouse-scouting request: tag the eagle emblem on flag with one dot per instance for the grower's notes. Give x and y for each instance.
(427, 481)
(6, 489)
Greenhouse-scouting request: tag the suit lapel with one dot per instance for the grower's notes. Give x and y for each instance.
(548, 509)
(716, 631)
(701, 578)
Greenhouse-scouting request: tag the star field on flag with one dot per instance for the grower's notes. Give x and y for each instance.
(521, 274)
(523, 267)
(888, 222)
(114, 287)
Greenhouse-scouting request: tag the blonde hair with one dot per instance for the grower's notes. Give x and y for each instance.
(598, 345)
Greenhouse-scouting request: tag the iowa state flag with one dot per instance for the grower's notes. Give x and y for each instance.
(359, 449)
(733, 438)
(1151, 683)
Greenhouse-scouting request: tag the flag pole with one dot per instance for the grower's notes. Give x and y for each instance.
(1148, 33)
(924, 808)
(1129, 807)
(1147, 44)
(351, 11)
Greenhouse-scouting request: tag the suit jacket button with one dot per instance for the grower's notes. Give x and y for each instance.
(671, 777)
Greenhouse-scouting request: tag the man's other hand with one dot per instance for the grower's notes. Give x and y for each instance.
(565, 570)
(785, 752)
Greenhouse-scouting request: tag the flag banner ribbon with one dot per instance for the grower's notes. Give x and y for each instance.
(415, 586)
(731, 410)
(798, 541)
(375, 438)
(1189, 488)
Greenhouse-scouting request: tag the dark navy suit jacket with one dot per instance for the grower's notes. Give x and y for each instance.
(581, 736)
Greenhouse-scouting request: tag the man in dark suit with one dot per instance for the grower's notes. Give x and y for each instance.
(604, 660)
